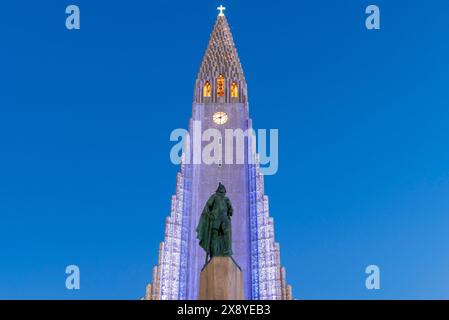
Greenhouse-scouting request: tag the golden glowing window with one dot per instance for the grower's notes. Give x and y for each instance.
(207, 90)
(234, 90)
(220, 86)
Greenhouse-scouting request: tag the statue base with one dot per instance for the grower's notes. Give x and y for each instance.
(221, 279)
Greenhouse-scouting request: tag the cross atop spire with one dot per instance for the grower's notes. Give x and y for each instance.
(221, 9)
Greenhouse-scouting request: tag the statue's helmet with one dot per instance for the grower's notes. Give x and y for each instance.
(221, 188)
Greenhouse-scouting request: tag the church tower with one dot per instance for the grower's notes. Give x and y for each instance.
(220, 103)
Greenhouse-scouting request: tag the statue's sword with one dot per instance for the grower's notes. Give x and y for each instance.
(209, 236)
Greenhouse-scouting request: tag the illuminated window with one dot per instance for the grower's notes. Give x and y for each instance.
(220, 86)
(207, 90)
(234, 90)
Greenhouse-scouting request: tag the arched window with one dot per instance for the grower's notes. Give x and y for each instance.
(234, 90)
(207, 90)
(220, 86)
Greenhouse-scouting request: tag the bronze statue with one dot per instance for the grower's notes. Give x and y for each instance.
(214, 229)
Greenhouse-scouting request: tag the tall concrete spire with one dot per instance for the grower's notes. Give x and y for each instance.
(221, 56)
(221, 59)
(220, 93)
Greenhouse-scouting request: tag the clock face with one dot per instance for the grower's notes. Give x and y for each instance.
(220, 117)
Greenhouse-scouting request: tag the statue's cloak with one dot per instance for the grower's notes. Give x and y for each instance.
(204, 230)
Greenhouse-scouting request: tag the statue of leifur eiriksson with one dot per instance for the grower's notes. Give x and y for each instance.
(214, 228)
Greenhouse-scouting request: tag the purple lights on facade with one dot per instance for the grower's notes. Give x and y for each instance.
(220, 102)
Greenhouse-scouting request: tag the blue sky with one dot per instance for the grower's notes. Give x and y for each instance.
(85, 120)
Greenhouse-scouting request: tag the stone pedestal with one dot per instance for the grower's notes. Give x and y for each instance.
(221, 279)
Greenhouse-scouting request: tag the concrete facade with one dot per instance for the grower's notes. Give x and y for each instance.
(177, 274)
